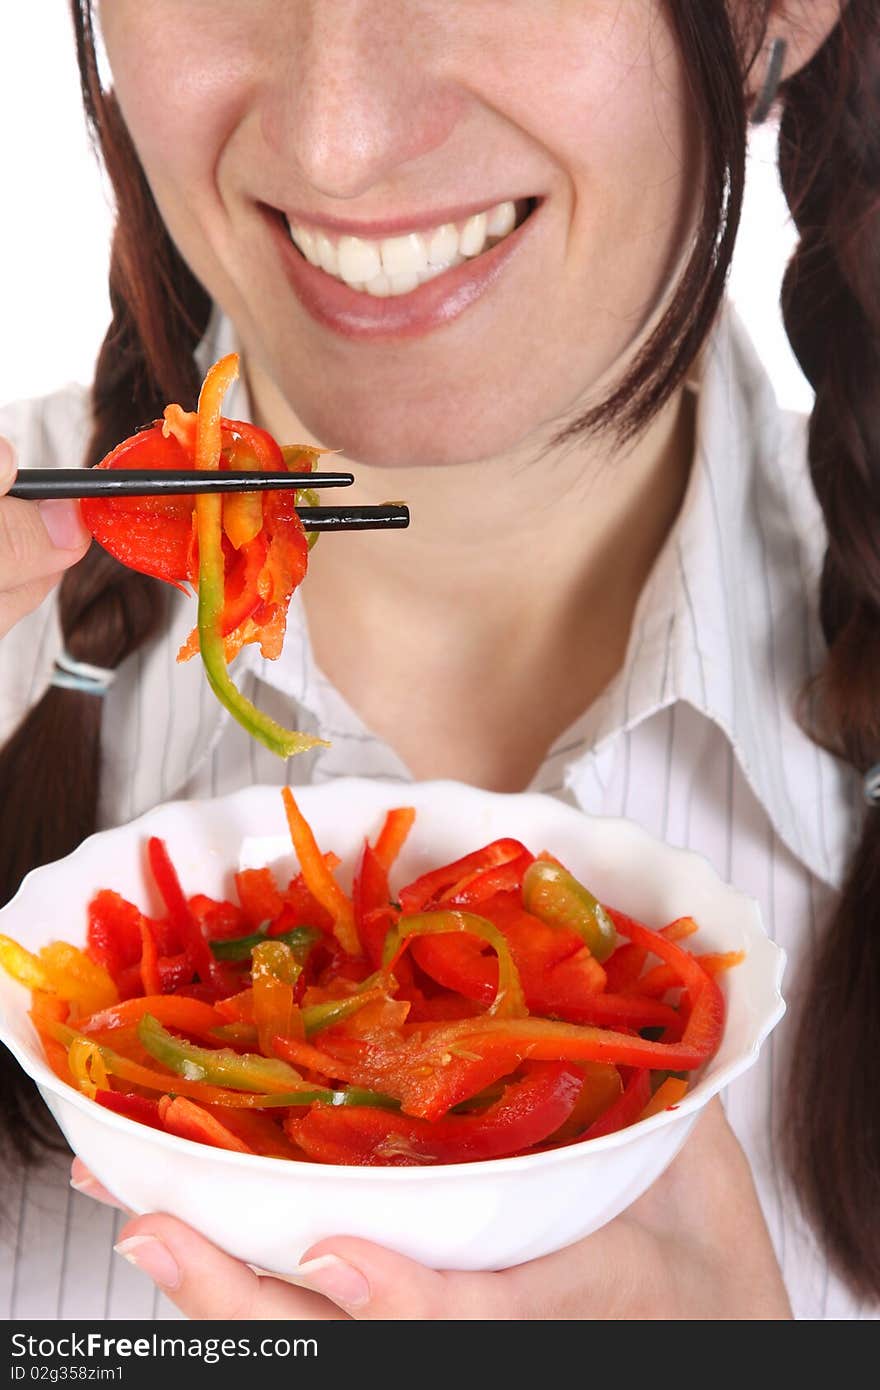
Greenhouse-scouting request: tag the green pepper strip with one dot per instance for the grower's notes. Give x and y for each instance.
(318, 1016)
(216, 1066)
(509, 999)
(349, 1095)
(299, 939)
(555, 897)
(209, 518)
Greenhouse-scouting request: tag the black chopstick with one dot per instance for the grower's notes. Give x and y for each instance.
(40, 484)
(392, 516)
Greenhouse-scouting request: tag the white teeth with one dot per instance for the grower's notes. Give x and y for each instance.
(380, 286)
(501, 220)
(404, 255)
(327, 257)
(473, 235)
(306, 242)
(443, 244)
(398, 265)
(403, 283)
(358, 260)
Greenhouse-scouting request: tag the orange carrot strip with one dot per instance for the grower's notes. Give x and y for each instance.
(320, 882)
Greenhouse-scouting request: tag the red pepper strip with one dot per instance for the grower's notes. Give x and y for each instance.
(625, 966)
(656, 982)
(392, 836)
(301, 907)
(149, 534)
(218, 920)
(424, 890)
(262, 1134)
(113, 935)
(432, 1067)
(188, 929)
(528, 1111)
(181, 1117)
(133, 1107)
(427, 1087)
(503, 878)
(241, 593)
(601, 1088)
(666, 1097)
(370, 899)
(626, 1110)
(509, 1000)
(706, 1019)
(149, 960)
(318, 877)
(185, 1015)
(259, 895)
(559, 976)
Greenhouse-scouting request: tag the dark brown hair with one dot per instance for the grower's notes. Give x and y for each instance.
(830, 162)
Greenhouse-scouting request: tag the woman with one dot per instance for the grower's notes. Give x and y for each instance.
(610, 586)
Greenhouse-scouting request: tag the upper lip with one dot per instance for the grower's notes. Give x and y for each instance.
(374, 228)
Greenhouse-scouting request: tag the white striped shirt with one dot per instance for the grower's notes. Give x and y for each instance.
(695, 738)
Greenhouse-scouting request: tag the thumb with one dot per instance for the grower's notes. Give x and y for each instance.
(371, 1283)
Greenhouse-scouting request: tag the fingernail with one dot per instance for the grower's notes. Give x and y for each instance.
(87, 1186)
(64, 523)
(154, 1258)
(336, 1280)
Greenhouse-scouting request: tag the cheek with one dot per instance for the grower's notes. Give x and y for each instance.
(603, 94)
(183, 86)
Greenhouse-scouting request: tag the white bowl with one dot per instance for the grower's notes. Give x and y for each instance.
(485, 1215)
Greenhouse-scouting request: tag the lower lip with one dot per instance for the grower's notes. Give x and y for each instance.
(356, 314)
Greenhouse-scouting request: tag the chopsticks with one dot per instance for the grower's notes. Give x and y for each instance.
(41, 484)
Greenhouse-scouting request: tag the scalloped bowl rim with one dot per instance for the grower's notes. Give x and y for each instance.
(694, 1100)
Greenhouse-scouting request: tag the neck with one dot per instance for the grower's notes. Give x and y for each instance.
(512, 566)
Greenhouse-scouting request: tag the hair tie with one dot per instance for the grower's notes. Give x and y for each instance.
(767, 94)
(70, 674)
(871, 785)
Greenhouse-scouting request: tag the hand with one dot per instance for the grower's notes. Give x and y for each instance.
(694, 1246)
(38, 542)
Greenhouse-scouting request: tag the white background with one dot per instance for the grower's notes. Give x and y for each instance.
(55, 222)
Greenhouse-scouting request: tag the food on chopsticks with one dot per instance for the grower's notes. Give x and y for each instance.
(489, 1008)
(244, 553)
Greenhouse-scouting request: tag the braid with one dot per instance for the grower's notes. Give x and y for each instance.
(830, 168)
(106, 611)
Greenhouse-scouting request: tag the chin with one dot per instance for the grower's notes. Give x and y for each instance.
(394, 439)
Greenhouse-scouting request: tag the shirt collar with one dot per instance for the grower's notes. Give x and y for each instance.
(727, 620)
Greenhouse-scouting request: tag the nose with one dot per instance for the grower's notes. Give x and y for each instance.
(360, 92)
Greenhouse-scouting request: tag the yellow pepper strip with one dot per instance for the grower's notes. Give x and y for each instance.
(667, 1094)
(62, 970)
(87, 1067)
(74, 976)
(275, 972)
(22, 965)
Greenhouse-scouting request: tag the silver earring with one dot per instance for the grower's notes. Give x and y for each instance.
(871, 785)
(767, 94)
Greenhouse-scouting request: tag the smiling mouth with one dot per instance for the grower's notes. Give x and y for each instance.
(397, 265)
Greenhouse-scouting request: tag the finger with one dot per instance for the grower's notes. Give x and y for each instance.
(206, 1283)
(36, 538)
(372, 1283)
(84, 1181)
(15, 604)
